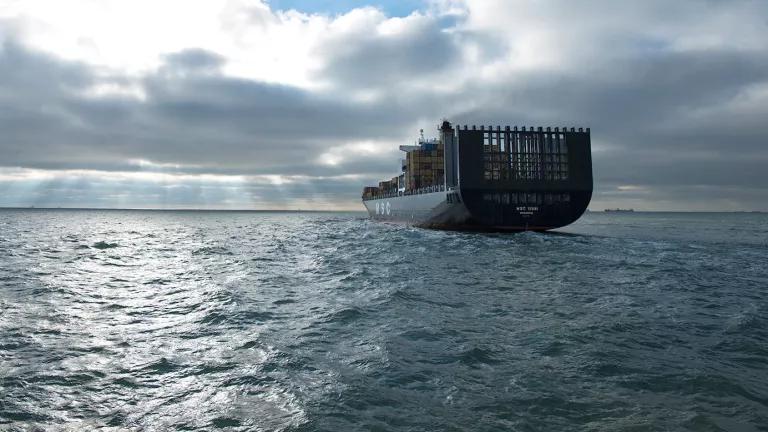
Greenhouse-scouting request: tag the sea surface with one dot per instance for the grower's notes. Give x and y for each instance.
(154, 320)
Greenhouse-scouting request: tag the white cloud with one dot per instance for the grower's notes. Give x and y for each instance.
(272, 46)
(133, 36)
(232, 87)
(348, 152)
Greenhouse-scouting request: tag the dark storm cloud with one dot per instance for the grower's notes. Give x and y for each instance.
(372, 60)
(195, 60)
(210, 122)
(664, 120)
(672, 125)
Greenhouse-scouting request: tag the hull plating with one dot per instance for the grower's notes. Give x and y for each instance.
(481, 210)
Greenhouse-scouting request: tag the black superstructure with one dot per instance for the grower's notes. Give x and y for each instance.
(489, 178)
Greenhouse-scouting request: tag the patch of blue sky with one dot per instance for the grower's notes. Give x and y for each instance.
(393, 8)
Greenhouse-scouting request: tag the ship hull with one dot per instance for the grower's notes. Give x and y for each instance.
(423, 210)
(492, 180)
(481, 210)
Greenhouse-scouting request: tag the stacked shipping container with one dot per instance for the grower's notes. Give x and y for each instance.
(370, 191)
(423, 167)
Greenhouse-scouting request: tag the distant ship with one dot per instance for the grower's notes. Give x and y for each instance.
(618, 210)
(489, 179)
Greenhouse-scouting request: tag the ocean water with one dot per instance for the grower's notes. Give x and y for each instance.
(147, 320)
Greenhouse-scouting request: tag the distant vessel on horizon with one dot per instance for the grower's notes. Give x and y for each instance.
(489, 179)
(619, 210)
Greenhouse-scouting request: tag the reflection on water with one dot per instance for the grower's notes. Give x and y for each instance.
(278, 321)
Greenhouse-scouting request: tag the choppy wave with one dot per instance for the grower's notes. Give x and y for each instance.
(303, 322)
(104, 245)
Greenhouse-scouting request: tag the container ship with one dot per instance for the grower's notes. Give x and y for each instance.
(490, 179)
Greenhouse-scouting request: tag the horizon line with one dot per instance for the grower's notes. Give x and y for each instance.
(177, 209)
(325, 211)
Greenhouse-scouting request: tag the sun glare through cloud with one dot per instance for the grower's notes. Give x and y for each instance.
(235, 89)
(390, 215)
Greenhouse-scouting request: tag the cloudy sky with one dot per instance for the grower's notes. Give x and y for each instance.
(298, 104)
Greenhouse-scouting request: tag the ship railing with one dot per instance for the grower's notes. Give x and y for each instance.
(426, 189)
(419, 191)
